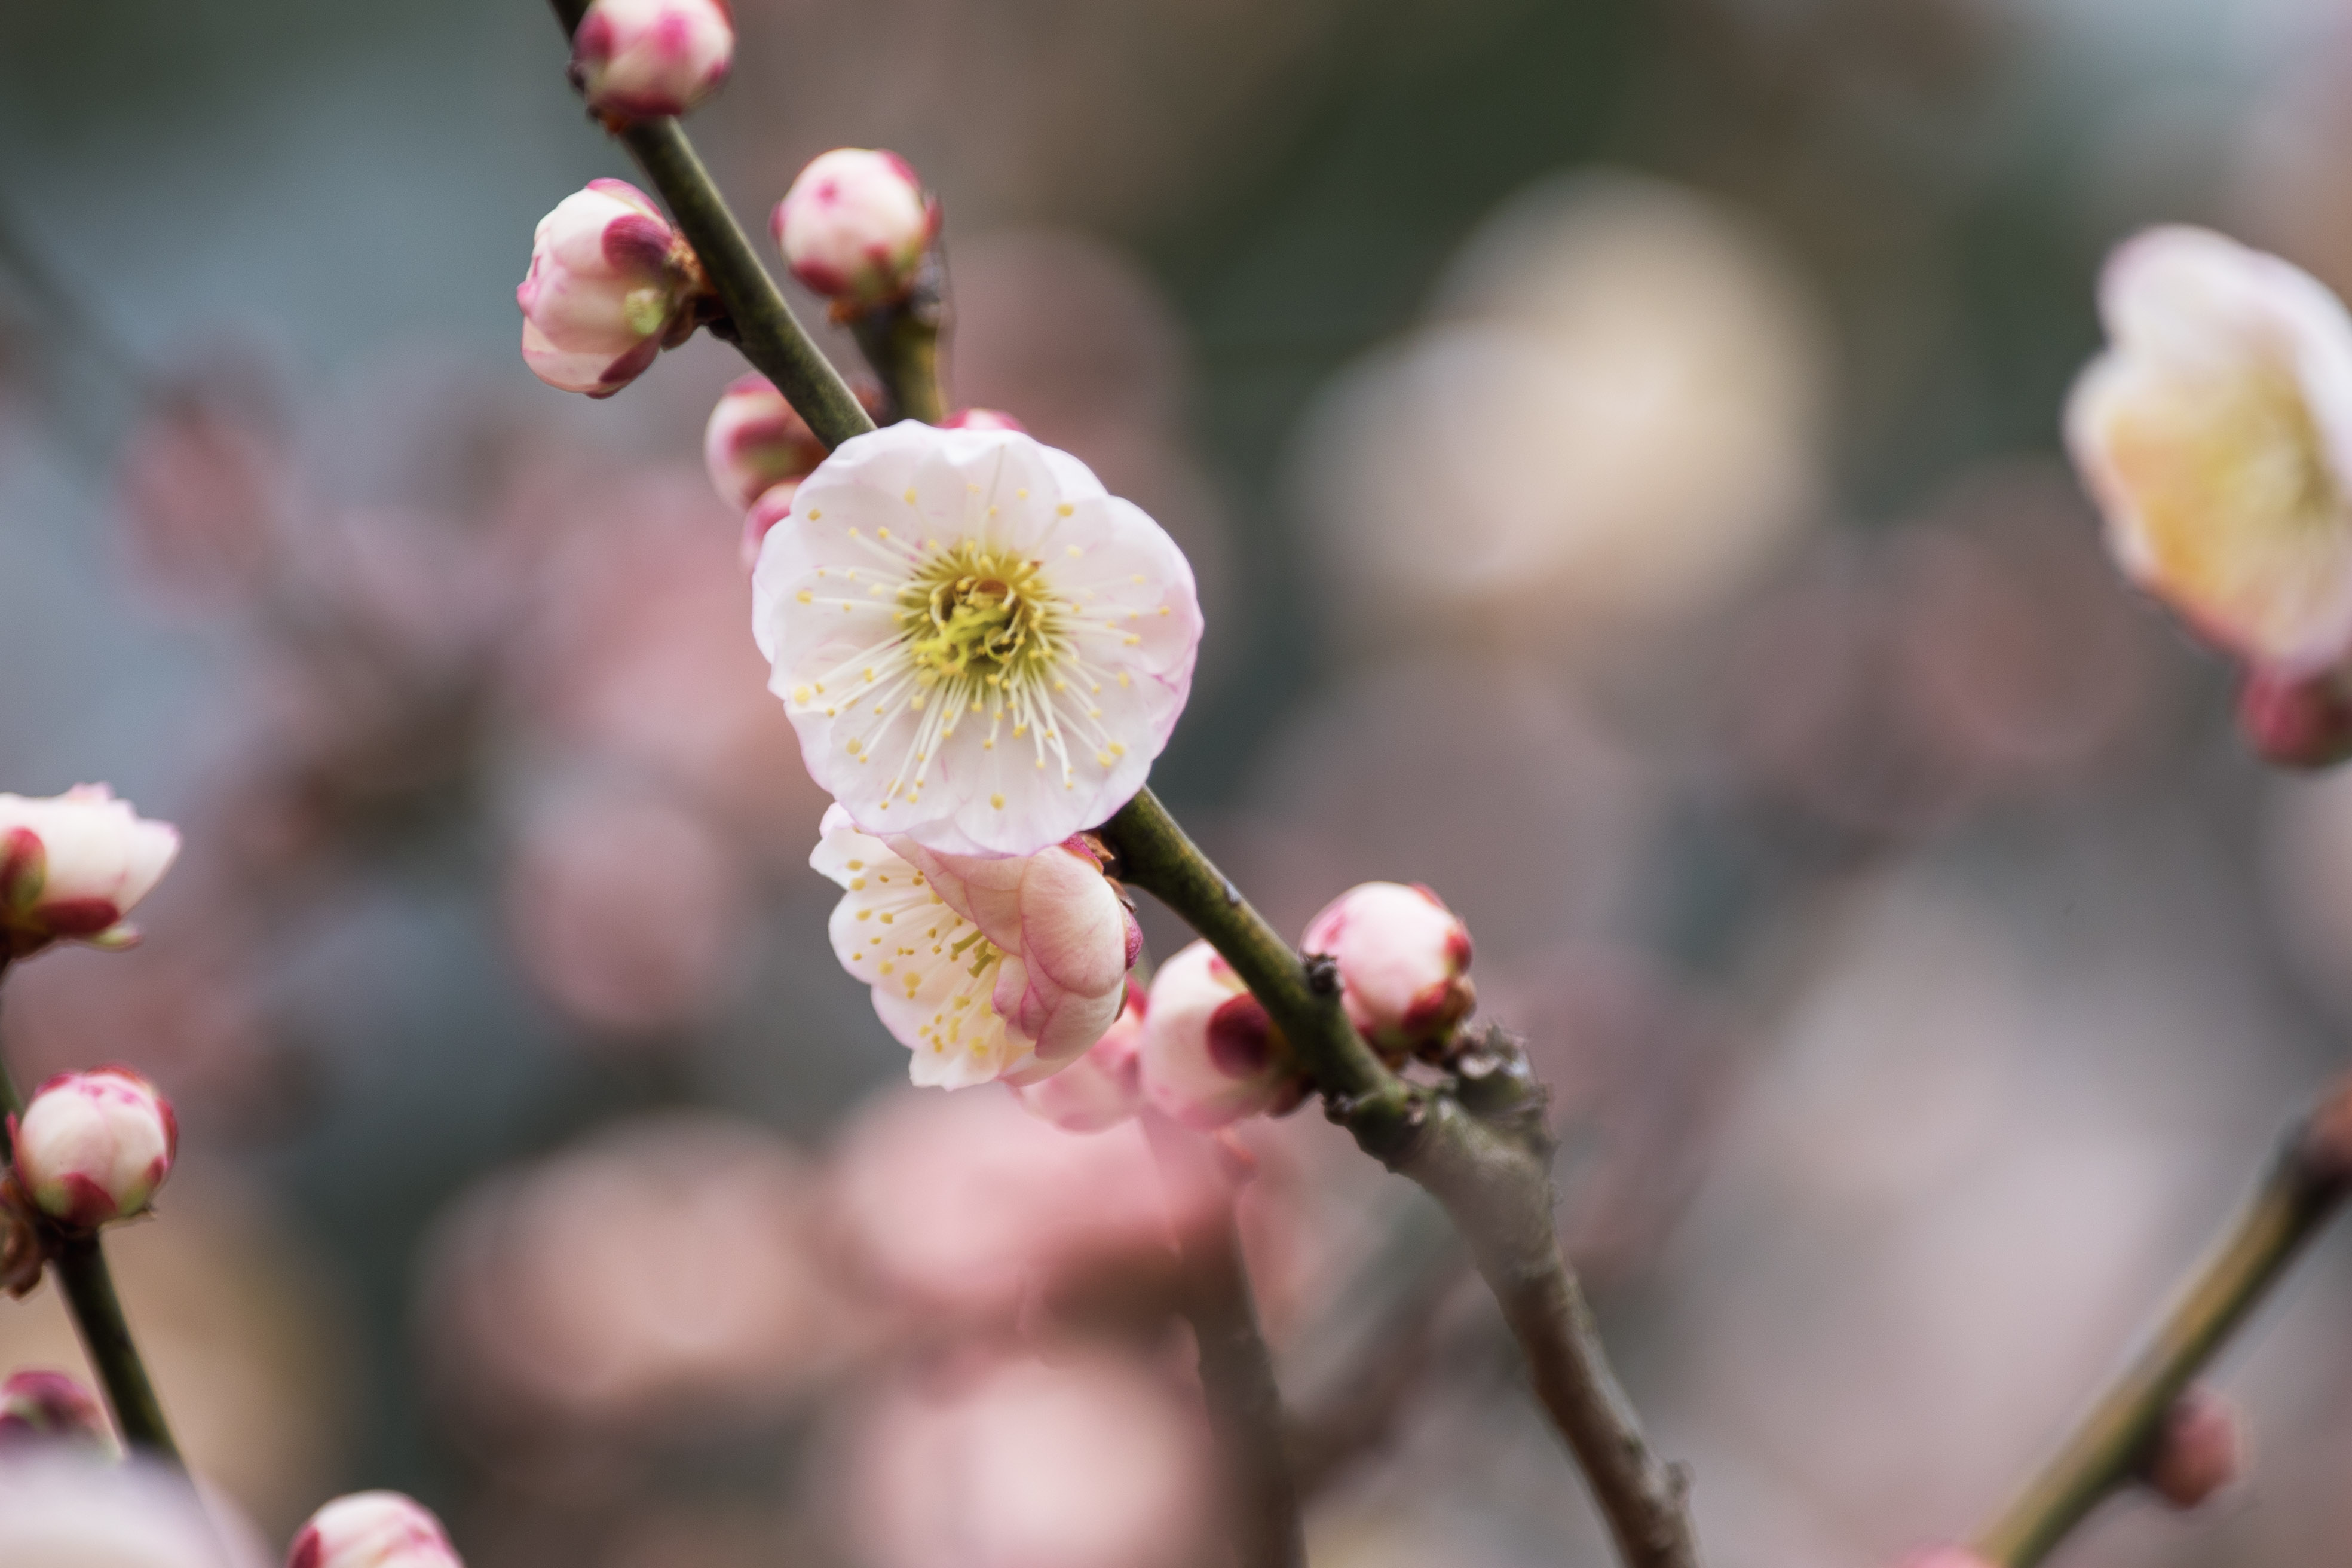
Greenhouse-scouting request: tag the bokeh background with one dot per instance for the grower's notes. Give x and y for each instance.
(1617, 442)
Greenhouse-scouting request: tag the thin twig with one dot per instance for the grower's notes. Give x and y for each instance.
(80, 1268)
(901, 342)
(1491, 1170)
(1236, 1369)
(762, 324)
(2308, 1178)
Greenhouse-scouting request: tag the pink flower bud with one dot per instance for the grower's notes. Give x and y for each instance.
(1102, 1087)
(72, 866)
(755, 441)
(1405, 961)
(1210, 1054)
(41, 1405)
(610, 285)
(855, 225)
(2199, 1448)
(638, 58)
(93, 1146)
(372, 1530)
(774, 505)
(2297, 722)
(982, 419)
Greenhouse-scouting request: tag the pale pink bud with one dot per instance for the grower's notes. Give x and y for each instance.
(51, 1406)
(774, 505)
(1211, 1055)
(2216, 435)
(755, 441)
(610, 285)
(1102, 1087)
(1404, 963)
(638, 58)
(94, 1146)
(855, 225)
(72, 866)
(2199, 1448)
(372, 1530)
(2297, 722)
(982, 419)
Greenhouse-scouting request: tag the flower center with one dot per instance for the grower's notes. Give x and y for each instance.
(978, 611)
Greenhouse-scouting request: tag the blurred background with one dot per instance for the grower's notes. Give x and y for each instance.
(1617, 443)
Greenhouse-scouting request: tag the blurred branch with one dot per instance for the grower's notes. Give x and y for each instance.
(763, 325)
(1480, 1146)
(1236, 1369)
(901, 342)
(2308, 1178)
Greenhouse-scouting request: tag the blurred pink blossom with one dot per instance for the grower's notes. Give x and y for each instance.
(755, 441)
(1104, 1086)
(372, 1530)
(627, 911)
(1085, 1460)
(1210, 1055)
(52, 1406)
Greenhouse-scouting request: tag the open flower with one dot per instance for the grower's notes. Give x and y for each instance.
(853, 226)
(1211, 1055)
(642, 58)
(73, 864)
(1105, 1085)
(610, 285)
(92, 1147)
(372, 1530)
(2216, 435)
(985, 967)
(1404, 963)
(981, 649)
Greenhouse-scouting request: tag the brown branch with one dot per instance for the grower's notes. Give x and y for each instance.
(1479, 1144)
(2307, 1184)
(1236, 1369)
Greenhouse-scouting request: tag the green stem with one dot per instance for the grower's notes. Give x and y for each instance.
(88, 1286)
(762, 324)
(901, 342)
(2306, 1185)
(1492, 1172)
(1236, 1369)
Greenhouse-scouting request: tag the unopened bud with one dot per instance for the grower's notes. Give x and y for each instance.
(610, 285)
(50, 1405)
(1102, 1087)
(774, 505)
(1405, 962)
(2302, 722)
(73, 864)
(92, 1147)
(372, 1530)
(2200, 1447)
(1211, 1055)
(638, 58)
(755, 441)
(982, 419)
(855, 225)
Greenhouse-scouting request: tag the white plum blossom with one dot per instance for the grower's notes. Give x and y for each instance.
(638, 58)
(73, 866)
(70, 1506)
(92, 1147)
(982, 650)
(372, 1530)
(2216, 435)
(1210, 1055)
(1404, 963)
(985, 967)
(610, 285)
(853, 226)
(1105, 1085)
